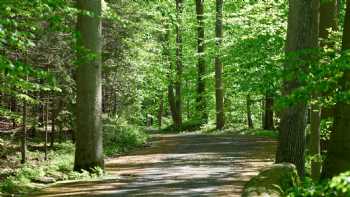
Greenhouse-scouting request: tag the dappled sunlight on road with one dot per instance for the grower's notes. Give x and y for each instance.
(180, 165)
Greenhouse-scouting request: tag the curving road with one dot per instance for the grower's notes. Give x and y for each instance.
(179, 165)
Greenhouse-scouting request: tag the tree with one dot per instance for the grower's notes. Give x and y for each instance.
(268, 116)
(337, 160)
(89, 150)
(24, 135)
(249, 113)
(46, 123)
(179, 65)
(328, 20)
(201, 67)
(301, 46)
(219, 93)
(160, 110)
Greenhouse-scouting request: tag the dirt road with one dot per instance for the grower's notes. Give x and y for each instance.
(179, 165)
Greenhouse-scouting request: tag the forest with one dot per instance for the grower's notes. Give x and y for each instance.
(175, 98)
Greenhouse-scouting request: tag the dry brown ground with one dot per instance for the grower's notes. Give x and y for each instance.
(179, 165)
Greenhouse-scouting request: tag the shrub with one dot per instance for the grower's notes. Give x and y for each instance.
(59, 167)
(338, 186)
(119, 136)
(190, 125)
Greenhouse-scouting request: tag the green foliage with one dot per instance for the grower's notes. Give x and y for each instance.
(190, 125)
(59, 167)
(254, 132)
(338, 186)
(326, 128)
(119, 136)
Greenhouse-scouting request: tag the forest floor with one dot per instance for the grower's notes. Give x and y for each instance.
(179, 165)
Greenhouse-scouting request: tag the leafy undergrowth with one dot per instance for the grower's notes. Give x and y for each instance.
(187, 126)
(250, 132)
(338, 186)
(119, 137)
(20, 179)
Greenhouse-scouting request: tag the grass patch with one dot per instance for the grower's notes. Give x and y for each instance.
(250, 132)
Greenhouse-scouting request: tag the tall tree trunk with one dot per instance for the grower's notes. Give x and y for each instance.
(338, 159)
(45, 127)
(166, 56)
(302, 43)
(24, 135)
(13, 106)
(41, 117)
(171, 100)
(53, 124)
(219, 96)
(160, 111)
(188, 104)
(115, 102)
(89, 150)
(328, 19)
(201, 94)
(249, 113)
(315, 148)
(268, 118)
(179, 64)
(263, 122)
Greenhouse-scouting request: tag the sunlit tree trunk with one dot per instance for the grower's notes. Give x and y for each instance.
(201, 94)
(166, 58)
(171, 100)
(302, 44)
(338, 159)
(89, 150)
(328, 19)
(53, 123)
(219, 96)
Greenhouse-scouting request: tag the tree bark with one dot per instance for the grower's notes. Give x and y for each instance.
(249, 113)
(171, 100)
(219, 96)
(328, 19)
(53, 124)
(302, 44)
(24, 135)
(166, 54)
(160, 111)
(315, 148)
(338, 159)
(263, 122)
(268, 118)
(179, 65)
(89, 149)
(13, 106)
(46, 109)
(201, 94)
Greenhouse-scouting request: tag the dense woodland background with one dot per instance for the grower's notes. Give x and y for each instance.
(88, 77)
